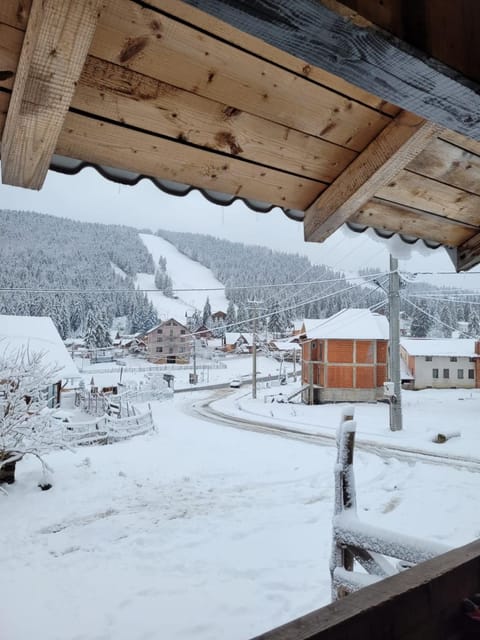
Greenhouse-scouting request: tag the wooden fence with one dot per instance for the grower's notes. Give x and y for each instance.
(104, 430)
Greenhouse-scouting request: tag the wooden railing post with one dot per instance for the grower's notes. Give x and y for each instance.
(345, 497)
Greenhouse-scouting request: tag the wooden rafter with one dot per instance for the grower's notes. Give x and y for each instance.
(57, 39)
(384, 157)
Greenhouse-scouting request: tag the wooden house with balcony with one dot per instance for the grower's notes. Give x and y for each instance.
(168, 343)
(364, 113)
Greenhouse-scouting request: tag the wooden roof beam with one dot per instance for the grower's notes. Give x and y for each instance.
(57, 40)
(329, 35)
(467, 255)
(384, 157)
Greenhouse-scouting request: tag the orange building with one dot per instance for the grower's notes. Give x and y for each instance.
(345, 358)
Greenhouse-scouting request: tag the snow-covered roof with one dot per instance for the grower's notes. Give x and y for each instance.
(37, 334)
(308, 323)
(442, 347)
(232, 337)
(352, 324)
(286, 345)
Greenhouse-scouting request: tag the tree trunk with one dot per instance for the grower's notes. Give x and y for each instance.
(7, 471)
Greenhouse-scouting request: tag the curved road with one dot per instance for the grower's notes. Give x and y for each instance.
(204, 409)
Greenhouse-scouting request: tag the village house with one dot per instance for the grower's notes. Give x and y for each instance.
(168, 343)
(302, 328)
(235, 341)
(443, 363)
(344, 358)
(37, 334)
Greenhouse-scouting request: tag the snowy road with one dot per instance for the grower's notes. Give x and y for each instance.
(205, 410)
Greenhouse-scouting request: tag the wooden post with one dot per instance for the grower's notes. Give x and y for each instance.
(344, 495)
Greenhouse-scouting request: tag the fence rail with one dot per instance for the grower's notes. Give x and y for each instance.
(104, 430)
(156, 368)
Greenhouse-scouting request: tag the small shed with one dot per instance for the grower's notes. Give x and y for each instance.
(345, 358)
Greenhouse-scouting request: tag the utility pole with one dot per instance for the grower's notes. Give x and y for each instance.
(194, 361)
(254, 353)
(394, 351)
(255, 307)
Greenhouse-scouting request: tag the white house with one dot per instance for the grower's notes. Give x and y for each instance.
(442, 363)
(37, 334)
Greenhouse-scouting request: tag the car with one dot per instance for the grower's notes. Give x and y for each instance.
(236, 383)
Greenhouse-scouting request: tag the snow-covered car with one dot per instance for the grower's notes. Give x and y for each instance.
(235, 383)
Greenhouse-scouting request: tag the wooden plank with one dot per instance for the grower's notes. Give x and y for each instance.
(421, 603)
(389, 216)
(55, 46)
(467, 255)
(332, 37)
(95, 141)
(458, 139)
(260, 48)
(114, 92)
(11, 41)
(412, 190)
(15, 13)
(141, 38)
(394, 148)
(450, 164)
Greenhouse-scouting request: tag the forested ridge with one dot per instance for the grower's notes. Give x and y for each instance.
(39, 251)
(245, 270)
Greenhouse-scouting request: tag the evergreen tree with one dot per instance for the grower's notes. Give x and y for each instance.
(474, 325)
(231, 317)
(275, 324)
(90, 337)
(207, 313)
(421, 324)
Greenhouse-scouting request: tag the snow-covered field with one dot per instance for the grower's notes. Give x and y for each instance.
(185, 274)
(207, 532)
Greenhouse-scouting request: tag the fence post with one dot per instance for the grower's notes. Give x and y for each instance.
(344, 495)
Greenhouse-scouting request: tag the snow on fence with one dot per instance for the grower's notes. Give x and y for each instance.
(104, 430)
(156, 368)
(354, 541)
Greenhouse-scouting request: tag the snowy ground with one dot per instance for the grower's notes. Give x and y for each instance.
(237, 366)
(185, 274)
(207, 532)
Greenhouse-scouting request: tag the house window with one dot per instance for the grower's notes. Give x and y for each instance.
(159, 349)
(471, 374)
(453, 359)
(170, 350)
(159, 330)
(446, 373)
(434, 373)
(182, 331)
(428, 358)
(471, 359)
(460, 374)
(159, 339)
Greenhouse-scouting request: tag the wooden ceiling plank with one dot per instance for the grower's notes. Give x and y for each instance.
(419, 192)
(146, 41)
(57, 39)
(333, 37)
(449, 164)
(385, 156)
(390, 216)
(260, 48)
(121, 94)
(473, 146)
(118, 93)
(96, 141)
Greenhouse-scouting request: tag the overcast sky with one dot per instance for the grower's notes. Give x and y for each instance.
(89, 197)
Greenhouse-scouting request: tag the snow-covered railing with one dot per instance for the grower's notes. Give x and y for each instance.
(104, 430)
(158, 367)
(354, 541)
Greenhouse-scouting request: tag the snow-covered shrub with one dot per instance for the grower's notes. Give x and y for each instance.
(24, 416)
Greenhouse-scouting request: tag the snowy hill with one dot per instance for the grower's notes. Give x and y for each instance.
(185, 274)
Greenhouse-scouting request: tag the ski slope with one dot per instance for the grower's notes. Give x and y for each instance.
(185, 274)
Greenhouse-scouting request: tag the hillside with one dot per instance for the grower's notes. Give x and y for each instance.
(84, 266)
(185, 274)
